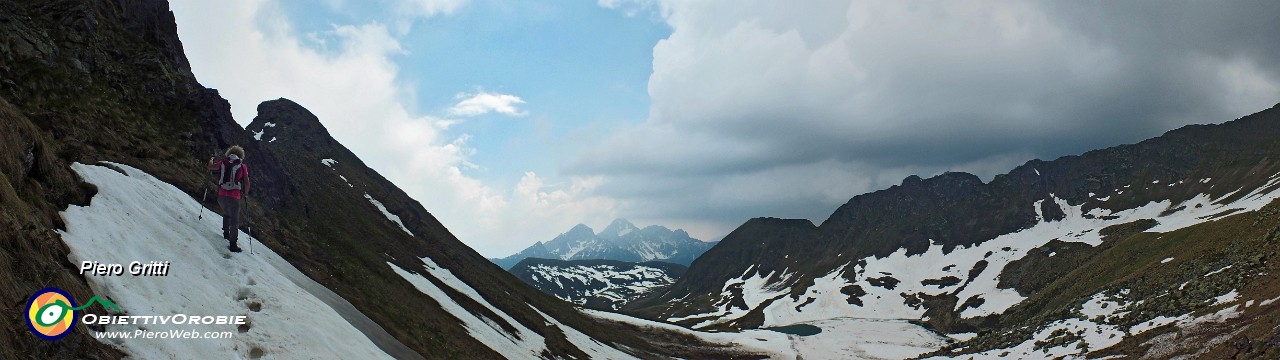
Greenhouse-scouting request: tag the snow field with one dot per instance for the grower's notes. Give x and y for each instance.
(617, 285)
(775, 344)
(136, 217)
(841, 338)
(755, 289)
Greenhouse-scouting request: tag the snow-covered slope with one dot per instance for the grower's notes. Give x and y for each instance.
(135, 217)
(522, 343)
(604, 284)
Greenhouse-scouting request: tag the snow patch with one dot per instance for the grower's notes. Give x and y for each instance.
(388, 214)
(328, 162)
(1226, 298)
(1104, 305)
(1211, 273)
(525, 344)
(1166, 260)
(594, 348)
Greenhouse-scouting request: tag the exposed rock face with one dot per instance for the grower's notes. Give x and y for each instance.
(76, 85)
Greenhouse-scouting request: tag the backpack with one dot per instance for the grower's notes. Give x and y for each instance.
(231, 180)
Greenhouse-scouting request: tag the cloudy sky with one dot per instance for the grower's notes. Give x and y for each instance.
(511, 121)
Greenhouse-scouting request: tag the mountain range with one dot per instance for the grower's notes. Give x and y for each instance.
(621, 241)
(1151, 250)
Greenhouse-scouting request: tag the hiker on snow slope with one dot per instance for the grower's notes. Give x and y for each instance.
(233, 182)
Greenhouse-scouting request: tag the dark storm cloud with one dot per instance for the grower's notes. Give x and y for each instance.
(760, 112)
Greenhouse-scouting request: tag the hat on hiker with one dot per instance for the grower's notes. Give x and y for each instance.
(235, 150)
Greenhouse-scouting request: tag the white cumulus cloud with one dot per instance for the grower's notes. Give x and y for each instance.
(430, 8)
(248, 50)
(483, 102)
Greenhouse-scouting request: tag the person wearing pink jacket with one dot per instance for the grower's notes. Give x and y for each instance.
(233, 183)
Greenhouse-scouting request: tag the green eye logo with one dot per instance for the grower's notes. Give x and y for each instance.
(51, 312)
(47, 314)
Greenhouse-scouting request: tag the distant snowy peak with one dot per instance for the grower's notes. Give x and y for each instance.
(621, 240)
(618, 229)
(579, 230)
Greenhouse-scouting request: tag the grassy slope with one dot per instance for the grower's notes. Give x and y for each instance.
(1247, 242)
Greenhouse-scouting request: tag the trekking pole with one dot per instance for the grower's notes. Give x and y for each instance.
(246, 202)
(203, 198)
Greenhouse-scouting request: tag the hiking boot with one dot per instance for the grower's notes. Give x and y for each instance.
(234, 248)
